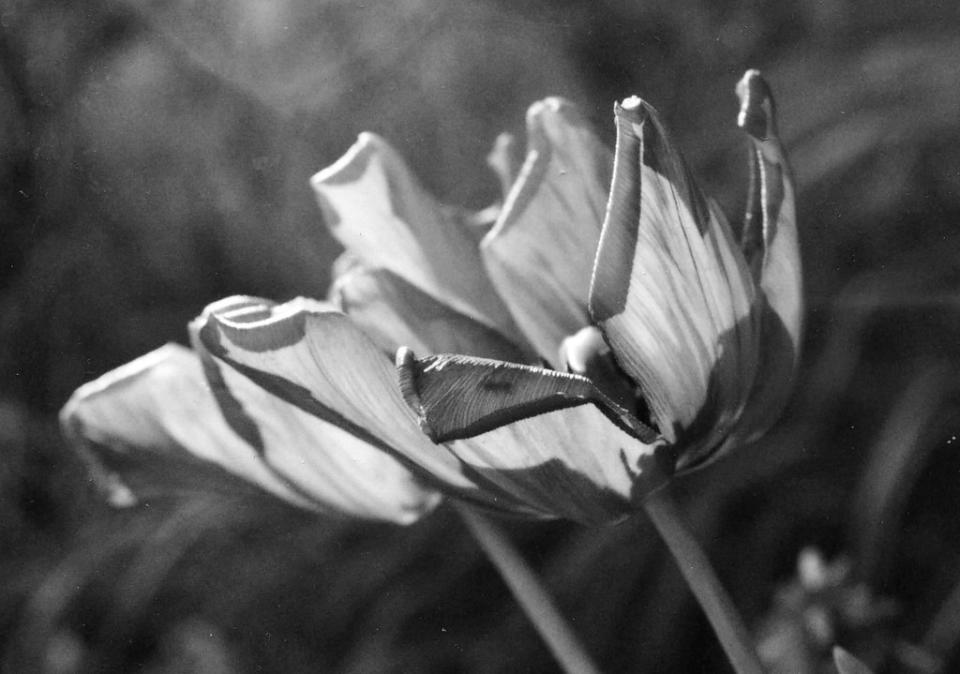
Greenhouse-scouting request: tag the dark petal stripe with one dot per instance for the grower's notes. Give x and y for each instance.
(771, 180)
(242, 423)
(751, 235)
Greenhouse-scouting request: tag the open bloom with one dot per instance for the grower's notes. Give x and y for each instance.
(696, 335)
(610, 338)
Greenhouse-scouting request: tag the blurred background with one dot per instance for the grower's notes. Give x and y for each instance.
(154, 156)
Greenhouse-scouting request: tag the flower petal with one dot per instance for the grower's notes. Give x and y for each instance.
(770, 244)
(318, 360)
(770, 228)
(394, 313)
(377, 209)
(671, 290)
(551, 439)
(159, 409)
(539, 253)
(504, 160)
(315, 458)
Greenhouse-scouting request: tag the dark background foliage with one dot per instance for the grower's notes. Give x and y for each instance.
(154, 156)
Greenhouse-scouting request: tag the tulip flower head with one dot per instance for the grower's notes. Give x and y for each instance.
(695, 340)
(607, 330)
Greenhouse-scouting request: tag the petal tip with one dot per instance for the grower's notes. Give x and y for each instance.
(551, 106)
(633, 109)
(353, 160)
(756, 106)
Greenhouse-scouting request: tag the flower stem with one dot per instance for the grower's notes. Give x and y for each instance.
(706, 587)
(530, 594)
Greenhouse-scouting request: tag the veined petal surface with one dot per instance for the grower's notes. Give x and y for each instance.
(671, 290)
(377, 209)
(144, 420)
(539, 252)
(395, 313)
(313, 457)
(154, 411)
(318, 360)
(550, 438)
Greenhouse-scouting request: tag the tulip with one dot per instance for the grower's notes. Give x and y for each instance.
(593, 343)
(588, 379)
(695, 337)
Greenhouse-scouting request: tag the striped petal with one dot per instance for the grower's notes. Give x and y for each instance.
(769, 241)
(551, 439)
(539, 253)
(318, 360)
(150, 428)
(314, 458)
(395, 313)
(377, 209)
(671, 290)
(156, 425)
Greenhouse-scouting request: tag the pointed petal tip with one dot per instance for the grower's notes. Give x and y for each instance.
(352, 163)
(171, 351)
(756, 106)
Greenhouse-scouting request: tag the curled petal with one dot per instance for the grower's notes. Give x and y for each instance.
(539, 251)
(318, 360)
(378, 210)
(394, 313)
(671, 290)
(551, 439)
(770, 245)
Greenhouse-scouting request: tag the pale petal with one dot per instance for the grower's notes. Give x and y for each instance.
(770, 245)
(141, 422)
(671, 289)
(549, 438)
(394, 313)
(770, 231)
(540, 252)
(315, 458)
(378, 210)
(318, 360)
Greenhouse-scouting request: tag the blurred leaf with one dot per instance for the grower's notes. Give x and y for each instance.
(847, 664)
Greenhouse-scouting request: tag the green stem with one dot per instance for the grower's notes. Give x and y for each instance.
(706, 587)
(530, 594)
